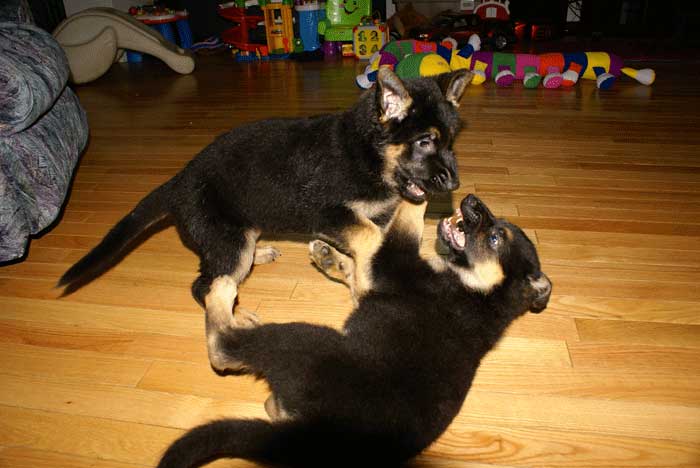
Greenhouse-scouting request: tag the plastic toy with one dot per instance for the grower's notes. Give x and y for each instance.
(341, 17)
(239, 35)
(368, 37)
(498, 9)
(495, 32)
(309, 16)
(411, 59)
(161, 19)
(94, 38)
(278, 26)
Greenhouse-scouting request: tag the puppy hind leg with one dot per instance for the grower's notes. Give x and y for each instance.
(358, 237)
(287, 356)
(332, 263)
(228, 267)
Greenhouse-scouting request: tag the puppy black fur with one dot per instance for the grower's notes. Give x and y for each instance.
(316, 175)
(389, 384)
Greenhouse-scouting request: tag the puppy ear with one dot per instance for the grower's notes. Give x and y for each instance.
(541, 289)
(453, 84)
(394, 100)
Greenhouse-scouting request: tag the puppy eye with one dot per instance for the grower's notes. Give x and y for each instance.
(494, 239)
(425, 143)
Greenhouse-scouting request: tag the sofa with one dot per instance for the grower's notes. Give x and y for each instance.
(43, 129)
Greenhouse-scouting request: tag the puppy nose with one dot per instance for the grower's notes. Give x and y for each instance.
(472, 200)
(452, 183)
(446, 180)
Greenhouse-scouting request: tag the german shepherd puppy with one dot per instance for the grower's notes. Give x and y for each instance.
(385, 387)
(338, 176)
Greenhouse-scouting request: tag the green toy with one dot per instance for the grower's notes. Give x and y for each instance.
(341, 17)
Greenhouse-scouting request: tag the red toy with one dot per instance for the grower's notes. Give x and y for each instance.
(238, 36)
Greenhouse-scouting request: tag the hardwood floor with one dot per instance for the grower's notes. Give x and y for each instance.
(606, 183)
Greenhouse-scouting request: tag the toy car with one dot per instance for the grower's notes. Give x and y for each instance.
(494, 33)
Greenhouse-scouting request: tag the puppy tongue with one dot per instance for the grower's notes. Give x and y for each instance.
(414, 189)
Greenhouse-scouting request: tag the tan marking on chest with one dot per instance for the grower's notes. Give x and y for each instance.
(483, 276)
(372, 209)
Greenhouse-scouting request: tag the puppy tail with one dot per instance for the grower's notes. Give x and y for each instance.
(289, 443)
(152, 209)
(227, 438)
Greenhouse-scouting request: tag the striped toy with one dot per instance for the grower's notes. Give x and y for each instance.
(412, 58)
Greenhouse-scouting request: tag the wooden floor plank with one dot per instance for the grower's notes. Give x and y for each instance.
(645, 333)
(70, 365)
(545, 447)
(614, 417)
(644, 384)
(123, 403)
(84, 436)
(645, 310)
(22, 457)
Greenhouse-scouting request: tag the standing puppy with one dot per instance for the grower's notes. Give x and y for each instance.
(388, 386)
(338, 176)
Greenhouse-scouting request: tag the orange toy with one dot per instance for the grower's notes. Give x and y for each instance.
(278, 26)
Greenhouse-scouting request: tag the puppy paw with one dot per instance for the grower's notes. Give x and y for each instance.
(244, 318)
(224, 365)
(330, 261)
(266, 254)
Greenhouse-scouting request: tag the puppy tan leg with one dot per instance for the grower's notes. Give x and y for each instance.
(221, 298)
(366, 239)
(409, 220)
(363, 241)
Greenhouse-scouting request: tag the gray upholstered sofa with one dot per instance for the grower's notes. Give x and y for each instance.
(43, 129)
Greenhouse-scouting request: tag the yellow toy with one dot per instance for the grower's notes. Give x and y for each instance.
(368, 38)
(278, 26)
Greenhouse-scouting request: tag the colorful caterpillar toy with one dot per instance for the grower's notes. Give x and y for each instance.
(411, 58)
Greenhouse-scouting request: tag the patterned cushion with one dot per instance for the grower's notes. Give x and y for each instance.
(33, 72)
(43, 129)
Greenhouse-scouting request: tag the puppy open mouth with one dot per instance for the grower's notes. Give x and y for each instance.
(455, 229)
(414, 190)
(452, 230)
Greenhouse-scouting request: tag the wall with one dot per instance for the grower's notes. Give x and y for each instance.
(74, 6)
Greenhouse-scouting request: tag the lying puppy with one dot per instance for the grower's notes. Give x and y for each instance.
(338, 176)
(389, 384)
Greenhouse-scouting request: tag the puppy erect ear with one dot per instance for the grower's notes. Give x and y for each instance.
(540, 292)
(394, 100)
(453, 85)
